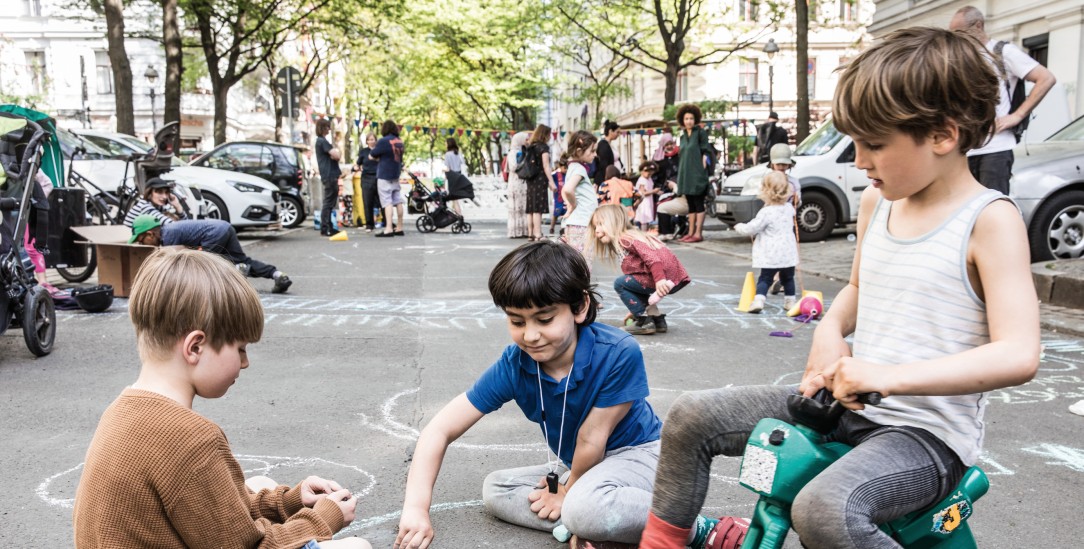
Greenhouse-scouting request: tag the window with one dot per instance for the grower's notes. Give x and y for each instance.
(682, 91)
(242, 157)
(35, 67)
(747, 10)
(103, 71)
(848, 11)
(1037, 47)
(747, 76)
(32, 8)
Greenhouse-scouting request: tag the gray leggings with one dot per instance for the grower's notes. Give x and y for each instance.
(892, 471)
(608, 503)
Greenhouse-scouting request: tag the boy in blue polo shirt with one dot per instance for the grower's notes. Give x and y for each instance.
(583, 382)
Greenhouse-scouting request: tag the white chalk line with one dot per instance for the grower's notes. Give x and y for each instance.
(1072, 458)
(335, 259)
(374, 521)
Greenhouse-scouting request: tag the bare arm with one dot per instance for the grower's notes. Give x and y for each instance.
(839, 321)
(568, 192)
(998, 265)
(459, 415)
(590, 450)
(549, 171)
(1043, 80)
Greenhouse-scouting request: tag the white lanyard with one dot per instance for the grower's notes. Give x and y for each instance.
(564, 407)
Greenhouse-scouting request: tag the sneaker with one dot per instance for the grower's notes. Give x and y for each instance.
(789, 302)
(728, 533)
(776, 289)
(244, 268)
(282, 283)
(757, 305)
(660, 324)
(666, 237)
(643, 326)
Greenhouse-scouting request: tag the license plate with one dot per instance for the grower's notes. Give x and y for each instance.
(758, 469)
(721, 207)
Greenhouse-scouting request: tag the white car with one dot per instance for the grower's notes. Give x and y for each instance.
(243, 200)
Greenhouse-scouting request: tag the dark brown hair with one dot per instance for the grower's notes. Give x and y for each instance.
(916, 81)
(389, 127)
(579, 142)
(323, 126)
(541, 134)
(544, 273)
(451, 144)
(688, 108)
(612, 172)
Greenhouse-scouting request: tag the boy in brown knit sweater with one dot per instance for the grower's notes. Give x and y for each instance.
(157, 474)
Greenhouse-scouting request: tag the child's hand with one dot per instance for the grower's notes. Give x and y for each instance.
(849, 377)
(663, 287)
(314, 489)
(347, 502)
(826, 350)
(547, 505)
(415, 530)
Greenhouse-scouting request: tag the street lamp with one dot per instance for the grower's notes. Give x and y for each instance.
(152, 77)
(771, 48)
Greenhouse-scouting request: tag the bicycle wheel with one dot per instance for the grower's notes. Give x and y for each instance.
(80, 274)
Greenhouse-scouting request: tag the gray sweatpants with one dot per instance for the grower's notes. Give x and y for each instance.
(608, 503)
(892, 471)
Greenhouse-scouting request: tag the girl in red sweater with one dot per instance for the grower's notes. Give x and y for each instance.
(650, 271)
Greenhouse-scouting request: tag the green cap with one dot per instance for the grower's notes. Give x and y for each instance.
(143, 224)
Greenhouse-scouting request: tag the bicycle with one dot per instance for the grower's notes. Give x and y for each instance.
(780, 458)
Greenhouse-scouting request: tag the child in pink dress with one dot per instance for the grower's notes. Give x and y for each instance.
(645, 187)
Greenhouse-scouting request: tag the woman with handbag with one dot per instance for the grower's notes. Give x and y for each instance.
(538, 199)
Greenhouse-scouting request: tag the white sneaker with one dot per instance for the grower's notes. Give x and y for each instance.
(1078, 408)
(757, 305)
(788, 302)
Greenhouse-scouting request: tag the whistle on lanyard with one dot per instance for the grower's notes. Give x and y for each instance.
(551, 482)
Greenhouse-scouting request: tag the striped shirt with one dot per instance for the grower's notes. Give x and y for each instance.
(144, 206)
(916, 302)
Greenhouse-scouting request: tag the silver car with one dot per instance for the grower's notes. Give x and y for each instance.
(1048, 185)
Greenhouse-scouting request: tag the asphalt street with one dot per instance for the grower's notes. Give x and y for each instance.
(376, 335)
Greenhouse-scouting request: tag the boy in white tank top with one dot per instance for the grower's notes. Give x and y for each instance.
(940, 302)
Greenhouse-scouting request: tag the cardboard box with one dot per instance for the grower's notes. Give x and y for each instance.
(118, 261)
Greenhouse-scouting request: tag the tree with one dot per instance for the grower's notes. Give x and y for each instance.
(656, 36)
(122, 69)
(237, 37)
(171, 40)
(802, 36)
(601, 69)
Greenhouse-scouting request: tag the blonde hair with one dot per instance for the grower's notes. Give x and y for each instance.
(775, 189)
(614, 219)
(919, 80)
(179, 291)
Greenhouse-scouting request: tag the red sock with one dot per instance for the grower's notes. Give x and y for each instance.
(659, 534)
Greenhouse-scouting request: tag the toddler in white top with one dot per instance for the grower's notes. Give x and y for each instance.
(775, 248)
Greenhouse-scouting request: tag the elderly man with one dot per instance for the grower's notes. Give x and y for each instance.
(992, 164)
(212, 235)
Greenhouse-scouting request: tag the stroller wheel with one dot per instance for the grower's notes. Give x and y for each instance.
(39, 321)
(425, 224)
(456, 228)
(466, 227)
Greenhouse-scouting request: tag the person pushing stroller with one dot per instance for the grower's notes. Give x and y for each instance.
(212, 235)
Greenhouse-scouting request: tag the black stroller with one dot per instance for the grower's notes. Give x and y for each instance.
(22, 204)
(459, 188)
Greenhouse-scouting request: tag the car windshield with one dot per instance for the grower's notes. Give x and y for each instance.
(69, 142)
(117, 149)
(820, 141)
(1073, 132)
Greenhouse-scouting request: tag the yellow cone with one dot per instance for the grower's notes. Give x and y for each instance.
(748, 291)
(339, 237)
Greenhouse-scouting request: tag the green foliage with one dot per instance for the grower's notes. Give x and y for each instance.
(713, 109)
(737, 144)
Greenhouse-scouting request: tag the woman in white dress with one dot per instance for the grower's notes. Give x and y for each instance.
(517, 190)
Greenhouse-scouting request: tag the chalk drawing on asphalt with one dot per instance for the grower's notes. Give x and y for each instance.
(1065, 456)
(362, 524)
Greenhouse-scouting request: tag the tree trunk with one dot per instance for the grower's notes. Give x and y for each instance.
(220, 93)
(802, 32)
(671, 77)
(171, 39)
(122, 69)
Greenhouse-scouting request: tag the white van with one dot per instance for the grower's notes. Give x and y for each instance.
(831, 186)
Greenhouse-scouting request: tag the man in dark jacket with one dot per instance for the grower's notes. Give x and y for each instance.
(327, 159)
(768, 134)
(212, 235)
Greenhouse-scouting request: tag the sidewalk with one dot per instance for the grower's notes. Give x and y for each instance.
(1060, 284)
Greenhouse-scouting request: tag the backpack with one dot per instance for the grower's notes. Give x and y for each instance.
(1016, 95)
(530, 164)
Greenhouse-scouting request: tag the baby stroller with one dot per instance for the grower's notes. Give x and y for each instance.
(459, 188)
(22, 203)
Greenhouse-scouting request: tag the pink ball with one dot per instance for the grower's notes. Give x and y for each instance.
(811, 307)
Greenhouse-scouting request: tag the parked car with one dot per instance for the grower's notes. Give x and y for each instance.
(243, 200)
(277, 163)
(1047, 185)
(106, 172)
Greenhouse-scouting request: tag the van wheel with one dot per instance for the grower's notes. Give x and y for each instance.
(291, 212)
(1057, 228)
(215, 208)
(816, 216)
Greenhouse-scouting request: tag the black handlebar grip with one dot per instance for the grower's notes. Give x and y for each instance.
(872, 399)
(9, 204)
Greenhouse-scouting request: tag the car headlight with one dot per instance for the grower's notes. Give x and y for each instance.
(245, 187)
(752, 185)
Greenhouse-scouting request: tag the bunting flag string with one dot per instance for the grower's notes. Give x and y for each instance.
(649, 131)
